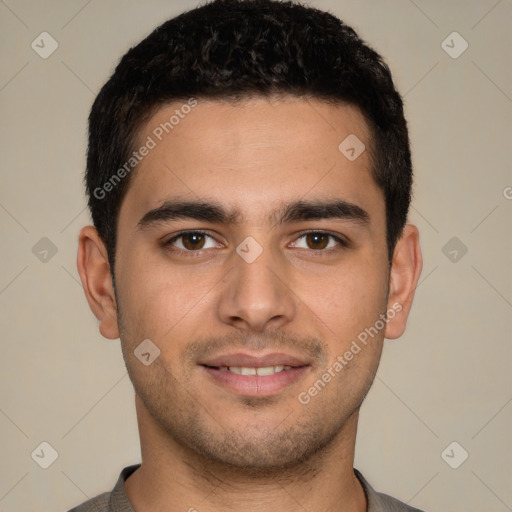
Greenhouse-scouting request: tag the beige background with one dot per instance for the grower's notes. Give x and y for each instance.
(448, 379)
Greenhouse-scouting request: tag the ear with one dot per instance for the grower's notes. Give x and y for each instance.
(405, 272)
(94, 270)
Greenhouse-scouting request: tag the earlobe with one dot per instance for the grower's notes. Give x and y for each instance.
(405, 272)
(94, 270)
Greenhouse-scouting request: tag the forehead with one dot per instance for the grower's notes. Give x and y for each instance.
(252, 153)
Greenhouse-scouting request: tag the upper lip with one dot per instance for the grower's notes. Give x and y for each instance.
(241, 359)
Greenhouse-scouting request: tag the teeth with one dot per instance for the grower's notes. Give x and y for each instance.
(269, 370)
(264, 370)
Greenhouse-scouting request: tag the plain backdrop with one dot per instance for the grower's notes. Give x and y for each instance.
(446, 380)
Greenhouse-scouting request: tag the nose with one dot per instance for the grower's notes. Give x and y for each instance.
(256, 296)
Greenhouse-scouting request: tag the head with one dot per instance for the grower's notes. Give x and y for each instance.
(229, 120)
(230, 50)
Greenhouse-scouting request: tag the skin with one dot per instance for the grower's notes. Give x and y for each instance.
(203, 446)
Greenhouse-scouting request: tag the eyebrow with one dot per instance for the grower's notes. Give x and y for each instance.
(216, 213)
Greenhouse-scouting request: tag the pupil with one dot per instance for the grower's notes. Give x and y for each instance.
(316, 238)
(193, 241)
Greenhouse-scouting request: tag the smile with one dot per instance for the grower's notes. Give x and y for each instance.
(255, 374)
(262, 371)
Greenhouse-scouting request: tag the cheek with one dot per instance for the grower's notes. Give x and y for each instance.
(161, 303)
(350, 296)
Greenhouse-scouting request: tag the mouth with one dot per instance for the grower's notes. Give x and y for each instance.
(255, 376)
(249, 370)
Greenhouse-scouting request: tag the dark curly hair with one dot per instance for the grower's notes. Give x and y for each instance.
(235, 49)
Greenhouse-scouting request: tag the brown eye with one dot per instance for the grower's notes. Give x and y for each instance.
(320, 241)
(317, 240)
(191, 241)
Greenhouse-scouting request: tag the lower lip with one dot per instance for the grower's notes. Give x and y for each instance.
(256, 385)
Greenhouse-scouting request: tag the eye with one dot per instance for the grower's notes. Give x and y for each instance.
(319, 241)
(192, 241)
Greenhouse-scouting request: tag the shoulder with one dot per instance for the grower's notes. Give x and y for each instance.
(379, 502)
(114, 501)
(390, 504)
(97, 504)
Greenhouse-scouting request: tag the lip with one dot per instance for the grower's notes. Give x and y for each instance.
(255, 385)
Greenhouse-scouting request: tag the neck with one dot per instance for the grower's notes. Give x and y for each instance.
(173, 477)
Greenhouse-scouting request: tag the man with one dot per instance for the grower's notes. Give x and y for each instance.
(249, 178)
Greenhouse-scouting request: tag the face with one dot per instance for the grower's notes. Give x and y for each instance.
(252, 253)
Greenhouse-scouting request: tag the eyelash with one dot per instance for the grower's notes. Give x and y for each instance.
(344, 243)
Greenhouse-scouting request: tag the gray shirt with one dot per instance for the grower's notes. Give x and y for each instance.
(117, 500)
